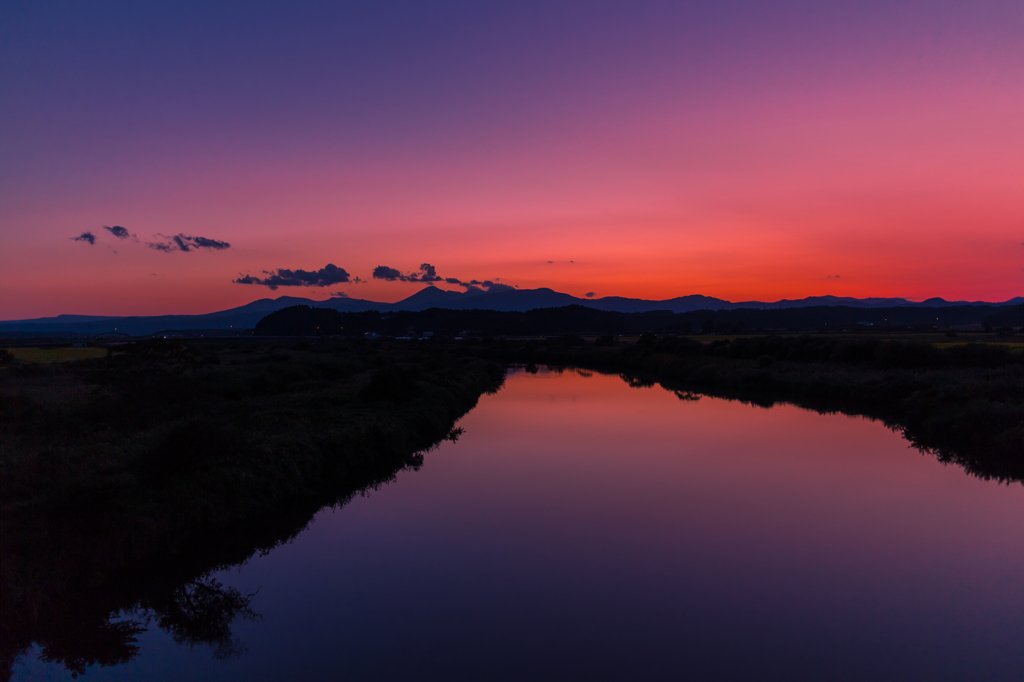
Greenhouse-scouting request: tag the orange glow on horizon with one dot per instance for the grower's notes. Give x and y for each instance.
(893, 170)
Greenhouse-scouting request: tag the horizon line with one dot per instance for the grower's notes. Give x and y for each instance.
(484, 293)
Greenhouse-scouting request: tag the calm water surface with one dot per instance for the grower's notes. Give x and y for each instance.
(585, 529)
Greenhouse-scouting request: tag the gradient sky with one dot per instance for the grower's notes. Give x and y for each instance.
(730, 149)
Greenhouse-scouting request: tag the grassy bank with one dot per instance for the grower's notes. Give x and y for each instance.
(207, 426)
(61, 354)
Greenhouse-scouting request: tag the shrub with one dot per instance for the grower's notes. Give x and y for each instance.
(571, 340)
(391, 383)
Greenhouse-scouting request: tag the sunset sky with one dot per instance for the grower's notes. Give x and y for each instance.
(744, 150)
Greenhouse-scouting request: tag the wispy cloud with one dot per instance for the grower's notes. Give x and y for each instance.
(183, 242)
(88, 237)
(120, 232)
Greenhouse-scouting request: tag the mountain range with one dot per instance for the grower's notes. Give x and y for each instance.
(246, 316)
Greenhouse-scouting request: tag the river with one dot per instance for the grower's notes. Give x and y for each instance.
(582, 528)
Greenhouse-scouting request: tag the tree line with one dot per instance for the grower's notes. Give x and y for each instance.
(576, 319)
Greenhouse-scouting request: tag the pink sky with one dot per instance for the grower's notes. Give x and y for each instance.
(748, 169)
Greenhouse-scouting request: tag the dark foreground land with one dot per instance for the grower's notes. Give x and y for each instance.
(127, 480)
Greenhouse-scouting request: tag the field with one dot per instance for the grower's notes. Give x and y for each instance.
(47, 355)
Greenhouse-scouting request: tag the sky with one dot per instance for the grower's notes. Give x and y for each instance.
(743, 150)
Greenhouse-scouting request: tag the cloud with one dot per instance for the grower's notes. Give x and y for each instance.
(339, 294)
(282, 277)
(388, 274)
(85, 237)
(589, 294)
(204, 243)
(183, 242)
(120, 232)
(487, 285)
(428, 273)
(833, 277)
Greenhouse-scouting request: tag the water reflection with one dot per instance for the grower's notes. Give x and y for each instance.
(198, 612)
(201, 612)
(72, 590)
(583, 528)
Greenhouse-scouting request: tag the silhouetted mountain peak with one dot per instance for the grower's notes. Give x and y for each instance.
(516, 300)
(432, 295)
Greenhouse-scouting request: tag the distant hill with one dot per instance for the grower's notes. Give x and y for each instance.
(301, 320)
(519, 300)
(1006, 317)
(578, 319)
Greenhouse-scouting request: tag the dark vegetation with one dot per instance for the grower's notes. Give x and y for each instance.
(301, 320)
(126, 480)
(1006, 319)
(577, 319)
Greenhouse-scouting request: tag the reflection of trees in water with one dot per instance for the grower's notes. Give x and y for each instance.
(201, 612)
(198, 612)
(71, 587)
(108, 643)
(637, 381)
